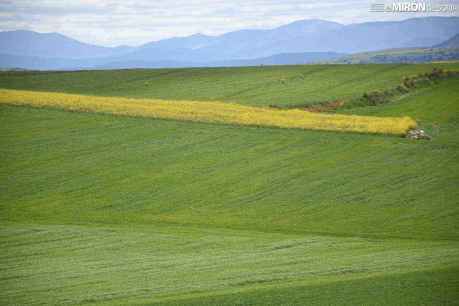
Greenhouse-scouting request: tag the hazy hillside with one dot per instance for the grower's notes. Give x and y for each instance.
(8, 61)
(413, 55)
(285, 59)
(450, 43)
(278, 59)
(318, 38)
(52, 45)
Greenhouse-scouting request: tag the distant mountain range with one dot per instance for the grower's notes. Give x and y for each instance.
(300, 42)
(52, 45)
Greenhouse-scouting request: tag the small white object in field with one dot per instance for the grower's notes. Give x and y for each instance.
(417, 134)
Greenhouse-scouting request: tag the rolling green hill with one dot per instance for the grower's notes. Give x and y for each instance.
(259, 86)
(96, 209)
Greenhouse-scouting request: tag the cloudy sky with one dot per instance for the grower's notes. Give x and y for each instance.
(133, 22)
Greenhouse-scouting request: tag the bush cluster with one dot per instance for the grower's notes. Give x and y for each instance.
(408, 83)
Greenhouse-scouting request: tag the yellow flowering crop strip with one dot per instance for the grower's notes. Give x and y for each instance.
(216, 112)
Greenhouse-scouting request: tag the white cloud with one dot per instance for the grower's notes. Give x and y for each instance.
(114, 22)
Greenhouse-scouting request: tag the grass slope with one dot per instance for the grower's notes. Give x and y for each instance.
(57, 264)
(280, 85)
(436, 105)
(96, 209)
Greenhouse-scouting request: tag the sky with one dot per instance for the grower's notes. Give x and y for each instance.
(134, 22)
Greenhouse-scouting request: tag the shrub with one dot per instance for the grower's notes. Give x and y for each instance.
(376, 97)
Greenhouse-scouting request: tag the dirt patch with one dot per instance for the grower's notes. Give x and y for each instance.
(325, 107)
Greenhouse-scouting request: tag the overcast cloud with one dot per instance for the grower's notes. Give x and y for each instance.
(133, 22)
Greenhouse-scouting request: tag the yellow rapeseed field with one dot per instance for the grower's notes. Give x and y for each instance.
(217, 112)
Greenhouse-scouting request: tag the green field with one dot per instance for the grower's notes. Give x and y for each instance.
(259, 86)
(102, 210)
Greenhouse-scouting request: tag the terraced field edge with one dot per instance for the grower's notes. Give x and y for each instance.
(212, 112)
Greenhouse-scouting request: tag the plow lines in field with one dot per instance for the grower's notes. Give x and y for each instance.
(213, 112)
